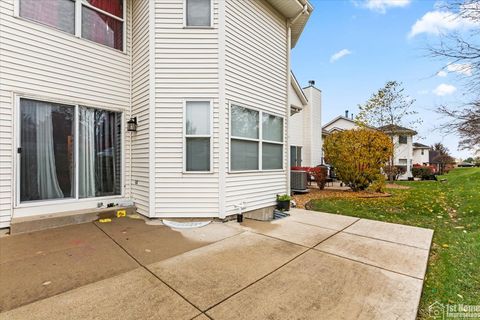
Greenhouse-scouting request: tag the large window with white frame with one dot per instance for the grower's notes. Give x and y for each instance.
(68, 151)
(198, 13)
(198, 136)
(101, 21)
(256, 140)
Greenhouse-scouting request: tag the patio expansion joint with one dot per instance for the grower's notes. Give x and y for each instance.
(384, 240)
(368, 264)
(149, 271)
(308, 249)
(329, 228)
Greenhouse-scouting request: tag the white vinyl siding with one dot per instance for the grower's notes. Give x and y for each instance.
(141, 64)
(186, 67)
(256, 75)
(41, 62)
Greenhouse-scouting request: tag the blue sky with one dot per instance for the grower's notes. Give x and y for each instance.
(374, 42)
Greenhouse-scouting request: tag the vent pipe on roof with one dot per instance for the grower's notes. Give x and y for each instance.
(346, 114)
(311, 83)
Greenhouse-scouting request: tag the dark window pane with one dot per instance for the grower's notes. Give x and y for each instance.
(114, 7)
(244, 155)
(101, 28)
(56, 13)
(402, 139)
(46, 160)
(198, 154)
(198, 13)
(293, 156)
(272, 156)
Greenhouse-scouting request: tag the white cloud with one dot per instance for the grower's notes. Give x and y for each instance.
(442, 74)
(465, 69)
(381, 6)
(444, 90)
(340, 54)
(437, 22)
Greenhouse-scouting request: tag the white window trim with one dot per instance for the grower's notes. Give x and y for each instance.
(78, 22)
(185, 26)
(260, 140)
(17, 144)
(185, 135)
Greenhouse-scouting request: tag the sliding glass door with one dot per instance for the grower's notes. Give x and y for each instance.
(57, 161)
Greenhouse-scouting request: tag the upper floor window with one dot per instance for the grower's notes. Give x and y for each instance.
(59, 14)
(198, 13)
(101, 21)
(402, 139)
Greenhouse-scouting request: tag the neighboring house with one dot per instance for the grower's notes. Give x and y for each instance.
(421, 154)
(305, 125)
(340, 123)
(402, 139)
(206, 81)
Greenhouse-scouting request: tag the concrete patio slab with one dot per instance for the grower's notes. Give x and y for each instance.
(127, 225)
(322, 219)
(407, 235)
(47, 274)
(32, 244)
(161, 242)
(317, 285)
(132, 295)
(395, 257)
(210, 274)
(285, 229)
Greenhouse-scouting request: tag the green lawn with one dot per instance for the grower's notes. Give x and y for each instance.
(452, 209)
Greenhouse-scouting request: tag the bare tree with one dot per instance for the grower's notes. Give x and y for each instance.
(466, 122)
(390, 110)
(462, 51)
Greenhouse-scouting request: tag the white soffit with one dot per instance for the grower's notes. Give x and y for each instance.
(290, 9)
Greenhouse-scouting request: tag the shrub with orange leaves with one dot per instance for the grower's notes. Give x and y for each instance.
(359, 156)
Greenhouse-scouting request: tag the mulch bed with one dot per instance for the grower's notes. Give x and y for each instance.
(303, 199)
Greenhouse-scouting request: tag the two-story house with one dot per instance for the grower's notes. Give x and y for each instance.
(203, 85)
(402, 139)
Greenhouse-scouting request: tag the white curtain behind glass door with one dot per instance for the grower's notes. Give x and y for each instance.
(86, 154)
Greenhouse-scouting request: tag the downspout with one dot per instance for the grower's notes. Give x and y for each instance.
(290, 21)
(289, 82)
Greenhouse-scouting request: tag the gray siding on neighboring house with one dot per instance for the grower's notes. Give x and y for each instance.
(45, 63)
(141, 66)
(255, 76)
(186, 66)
